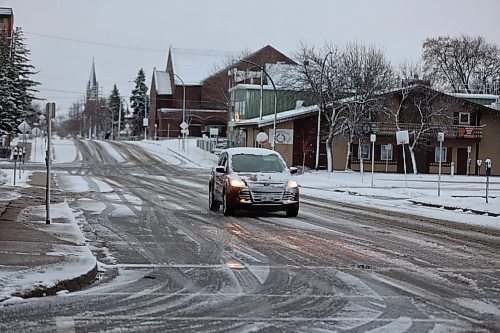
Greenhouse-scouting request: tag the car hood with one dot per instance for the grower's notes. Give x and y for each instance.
(264, 177)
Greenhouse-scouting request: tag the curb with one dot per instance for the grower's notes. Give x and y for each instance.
(474, 211)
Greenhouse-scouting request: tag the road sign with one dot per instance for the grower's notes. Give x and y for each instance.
(185, 131)
(24, 127)
(402, 137)
(440, 136)
(184, 125)
(50, 110)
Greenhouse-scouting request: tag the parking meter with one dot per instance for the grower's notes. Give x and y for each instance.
(15, 153)
(23, 153)
(488, 166)
(479, 162)
(487, 163)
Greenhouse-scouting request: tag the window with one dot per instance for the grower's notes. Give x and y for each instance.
(386, 152)
(464, 118)
(444, 152)
(364, 151)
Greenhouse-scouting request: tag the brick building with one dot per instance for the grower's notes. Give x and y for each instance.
(203, 77)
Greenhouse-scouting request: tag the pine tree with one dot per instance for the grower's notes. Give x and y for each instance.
(24, 70)
(115, 105)
(138, 101)
(8, 92)
(16, 87)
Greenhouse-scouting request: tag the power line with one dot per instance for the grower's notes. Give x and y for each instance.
(74, 40)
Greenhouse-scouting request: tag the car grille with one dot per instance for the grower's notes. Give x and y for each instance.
(260, 196)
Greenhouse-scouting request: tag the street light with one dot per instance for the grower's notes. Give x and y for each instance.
(183, 110)
(273, 143)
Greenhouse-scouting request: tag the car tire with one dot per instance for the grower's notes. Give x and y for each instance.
(292, 212)
(226, 207)
(213, 205)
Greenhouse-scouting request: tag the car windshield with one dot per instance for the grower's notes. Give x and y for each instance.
(257, 163)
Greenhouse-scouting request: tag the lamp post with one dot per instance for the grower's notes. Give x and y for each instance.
(183, 110)
(273, 143)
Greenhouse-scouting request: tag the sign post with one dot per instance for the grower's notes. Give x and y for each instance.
(440, 138)
(50, 111)
(469, 149)
(402, 138)
(184, 131)
(373, 138)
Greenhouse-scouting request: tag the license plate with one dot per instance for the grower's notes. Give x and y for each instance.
(267, 198)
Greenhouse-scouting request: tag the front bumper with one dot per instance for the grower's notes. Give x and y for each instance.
(270, 199)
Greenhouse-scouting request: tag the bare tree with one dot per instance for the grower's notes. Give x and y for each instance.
(367, 74)
(462, 63)
(420, 110)
(317, 75)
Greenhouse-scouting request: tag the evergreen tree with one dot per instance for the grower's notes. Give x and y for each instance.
(115, 105)
(16, 87)
(138, 101)
(24, 70)
(8, 89)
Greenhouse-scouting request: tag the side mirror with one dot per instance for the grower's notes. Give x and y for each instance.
(220, 169)
(293, 170)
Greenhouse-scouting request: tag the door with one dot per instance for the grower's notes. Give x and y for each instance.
(461, 161)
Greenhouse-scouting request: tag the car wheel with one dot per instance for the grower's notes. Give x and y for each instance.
(213, 205)
(226, 207)
(292, 212)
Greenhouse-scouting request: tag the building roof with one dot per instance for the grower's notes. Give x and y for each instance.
(280, 116)
(5, 11)
(92, 79)
(162, 82)
(192, 66)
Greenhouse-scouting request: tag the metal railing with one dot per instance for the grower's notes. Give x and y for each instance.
(452, 131)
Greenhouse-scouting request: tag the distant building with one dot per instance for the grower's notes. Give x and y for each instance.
(203, 76)
(6, 21)
(95, 121)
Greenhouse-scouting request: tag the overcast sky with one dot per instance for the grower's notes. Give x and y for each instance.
(125, 35)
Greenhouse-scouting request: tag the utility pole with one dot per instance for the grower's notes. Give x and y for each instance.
(50, 110)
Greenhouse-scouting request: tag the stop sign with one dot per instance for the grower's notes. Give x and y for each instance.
(261, 138)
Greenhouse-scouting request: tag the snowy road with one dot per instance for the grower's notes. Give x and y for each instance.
(170, 264)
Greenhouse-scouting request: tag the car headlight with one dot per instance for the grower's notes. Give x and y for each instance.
(292, 184)
(237, 183)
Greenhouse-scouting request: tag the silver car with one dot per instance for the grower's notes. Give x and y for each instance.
(253, 179)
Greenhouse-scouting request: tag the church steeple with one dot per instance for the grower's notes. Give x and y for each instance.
(92, 85)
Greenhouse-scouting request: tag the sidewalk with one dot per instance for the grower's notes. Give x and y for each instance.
(37, 259)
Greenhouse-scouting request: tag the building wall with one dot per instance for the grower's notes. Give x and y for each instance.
(6, 24)
(490, 144)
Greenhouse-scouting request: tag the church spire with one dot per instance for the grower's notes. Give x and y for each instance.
(92, 85)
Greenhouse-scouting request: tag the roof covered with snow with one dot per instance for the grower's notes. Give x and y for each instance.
(280, 117)
(5, 11)
(192, 66)
(162, 82)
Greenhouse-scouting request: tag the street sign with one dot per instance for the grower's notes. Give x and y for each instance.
(214, 131)
(24, 127)
(402, 137)
(36, 131)
(145, 122)
(440, 137)
(185, 131)
(469, 149)
(50, 110)
(261, 138)
(184, 125)
(373, 137)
